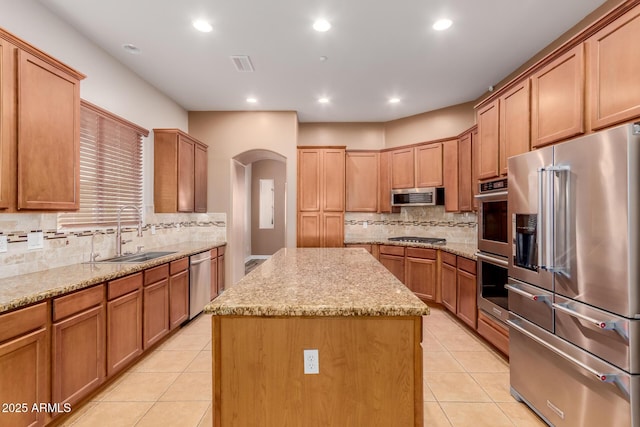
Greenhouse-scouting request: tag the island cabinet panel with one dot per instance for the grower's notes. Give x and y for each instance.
(557, 99)
(362, 180)
(24, 363)
(78, 345)
(259, 361)
(321, 196)
(420, 273)
(403, 168)
(178, 292)
(124, 322)
(488, 119)
(429, 165)
(614, 67)
(155, 305)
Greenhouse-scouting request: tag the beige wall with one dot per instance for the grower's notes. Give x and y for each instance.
(429, 126)
(356, 136)
(267, 241)
(230, 133)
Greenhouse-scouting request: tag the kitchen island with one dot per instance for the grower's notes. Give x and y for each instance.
(365, 325)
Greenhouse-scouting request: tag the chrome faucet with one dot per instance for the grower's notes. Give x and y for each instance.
(94, 255)
(119, 240)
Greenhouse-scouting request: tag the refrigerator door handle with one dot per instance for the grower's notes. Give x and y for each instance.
(545, 219)
(605, 378)
(607, 325)
(540, 229)
(533, 297)
(560, 218)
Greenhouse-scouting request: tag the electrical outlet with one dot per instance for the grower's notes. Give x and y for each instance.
(364, 224)
(35, 240)
(311, 361)
(153, 229)
(3, 243)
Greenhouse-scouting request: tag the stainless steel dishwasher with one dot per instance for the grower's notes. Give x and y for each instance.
(199, 282)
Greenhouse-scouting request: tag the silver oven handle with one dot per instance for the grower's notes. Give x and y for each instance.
(491, 195)
(533, 297)
(608, 325)
(493, 260)
(605, 378)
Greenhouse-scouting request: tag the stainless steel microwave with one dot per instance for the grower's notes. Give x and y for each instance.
(426, 196)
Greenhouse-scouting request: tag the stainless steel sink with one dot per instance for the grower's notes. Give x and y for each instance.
(133, 258)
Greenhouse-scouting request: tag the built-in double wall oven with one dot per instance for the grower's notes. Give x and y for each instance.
(493, 249)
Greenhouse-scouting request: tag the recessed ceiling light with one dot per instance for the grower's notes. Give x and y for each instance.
(394, 100)
(202, 25)
(442, 24)
(323, 100)
(323, 58)
(252, 100)
(132, 49)
(321, 25)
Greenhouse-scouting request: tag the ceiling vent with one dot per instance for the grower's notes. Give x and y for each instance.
(242, 63)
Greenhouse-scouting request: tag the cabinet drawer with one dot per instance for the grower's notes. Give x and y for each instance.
(179, 265)
(156, 274)
(392, 250)
(22, 321)
(123, 286)
(492, 332)
(467, 265)
(421, 253)
(214, 253)
(76, 302)
(448, 258)
(221, 250)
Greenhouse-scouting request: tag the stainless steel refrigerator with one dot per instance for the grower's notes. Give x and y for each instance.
(574, 292)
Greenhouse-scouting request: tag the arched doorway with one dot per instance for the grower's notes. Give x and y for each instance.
(258, 223)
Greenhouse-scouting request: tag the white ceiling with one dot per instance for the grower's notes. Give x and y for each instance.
(376, 49)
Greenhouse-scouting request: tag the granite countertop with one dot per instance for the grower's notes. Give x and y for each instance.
(467, 250)
(318, 282)
(25, 289)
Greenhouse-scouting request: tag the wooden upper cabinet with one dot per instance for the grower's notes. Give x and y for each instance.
(614, 71)
(384, 196)
(465, 175)
(557, 99)
(515, 112)
(200, 178)
(362, 179)
(488, 119)
(428, 167)
(309, 165)
(179, 161)
(333, 180)
(475, 155)
(321, 196)
(7, 122)
(48, 136)
(451, 190)
(402, 168)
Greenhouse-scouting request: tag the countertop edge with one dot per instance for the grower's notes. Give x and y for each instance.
(445, 247)
(125, 270)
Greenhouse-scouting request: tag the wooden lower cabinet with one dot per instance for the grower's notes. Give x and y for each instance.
(156, 305)
(467, 309)
(178, 293)
(124, 322)
(420, 273)
(214, 273)
(494, 332)
(392, 257)
(24, 364)
(449, 285)
(221, 272)
(78, 345)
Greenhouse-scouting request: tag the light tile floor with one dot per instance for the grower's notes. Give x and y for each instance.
(466, 383)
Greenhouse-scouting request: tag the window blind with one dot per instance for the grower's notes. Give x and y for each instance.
(110, 169)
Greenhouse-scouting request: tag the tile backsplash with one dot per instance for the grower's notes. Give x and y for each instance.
(423, 221)
(66, 247)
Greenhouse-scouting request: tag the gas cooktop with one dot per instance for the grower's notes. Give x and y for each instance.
(414, 239)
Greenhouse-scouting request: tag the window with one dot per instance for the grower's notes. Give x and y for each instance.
(110, 169)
